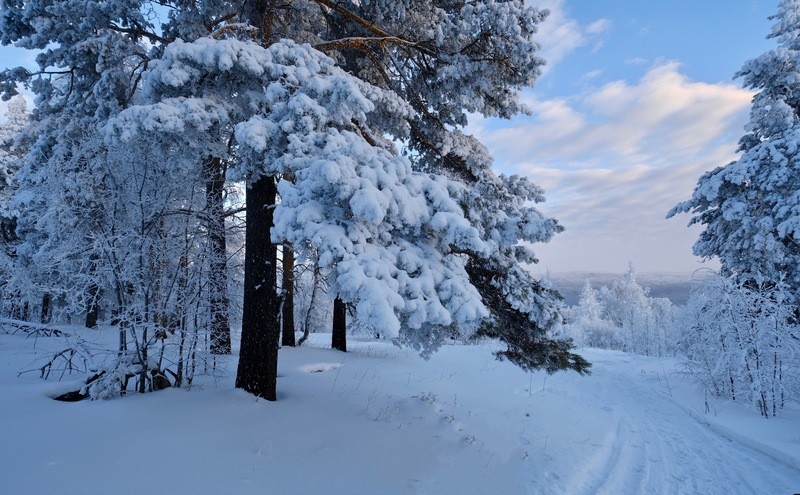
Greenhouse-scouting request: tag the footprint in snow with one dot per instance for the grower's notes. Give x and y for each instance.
(320, 367)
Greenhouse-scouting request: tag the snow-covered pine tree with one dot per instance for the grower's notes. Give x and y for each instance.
(750, 208)
(590, 328)
(11, 151)
(447, 59)
(520, 306)
(745, 324)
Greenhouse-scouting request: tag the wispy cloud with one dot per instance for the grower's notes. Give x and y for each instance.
(561, 35)
(599, 26)
(615, 159)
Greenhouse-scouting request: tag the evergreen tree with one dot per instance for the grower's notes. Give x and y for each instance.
(521, 310)
(750, 208)
(742, 327)
(11, 151)
(454, 58)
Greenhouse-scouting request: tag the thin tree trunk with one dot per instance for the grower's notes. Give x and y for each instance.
(93, 311)
(258, 358)
(339, 335)
(45, 316)
(19, 309)
(218, 281)
(287, 334)
(179, 319)
(311, 303)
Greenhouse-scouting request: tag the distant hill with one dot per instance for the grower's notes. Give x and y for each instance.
(673, 286)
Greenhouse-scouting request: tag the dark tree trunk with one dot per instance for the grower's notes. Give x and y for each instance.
(287, 333)
(258, 357)
(339, 335)
(311, 303)
(93, 311)
(218, 283)
(45, 316)
(19, 309)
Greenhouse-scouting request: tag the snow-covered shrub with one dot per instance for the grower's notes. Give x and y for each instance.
(742, 341)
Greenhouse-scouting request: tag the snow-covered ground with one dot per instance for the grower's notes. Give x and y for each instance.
(381, 420)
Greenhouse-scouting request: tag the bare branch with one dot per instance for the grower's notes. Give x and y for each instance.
(238, 26)
(369, 26)
(139, 32)
(363, 43)
(214, 22)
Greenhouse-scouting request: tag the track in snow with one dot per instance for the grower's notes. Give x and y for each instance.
(654, 446)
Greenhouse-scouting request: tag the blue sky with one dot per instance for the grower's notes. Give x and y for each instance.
(637, 100)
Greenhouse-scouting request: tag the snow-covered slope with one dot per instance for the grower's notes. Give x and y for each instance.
(382, 420)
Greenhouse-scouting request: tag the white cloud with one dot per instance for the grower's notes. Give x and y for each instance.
(663, 117)
(616, 159)
(599, 26)
(561, 35)
(636, 61)
(592, 74)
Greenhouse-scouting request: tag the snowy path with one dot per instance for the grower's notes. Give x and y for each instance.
(654, 446)
(381, 420)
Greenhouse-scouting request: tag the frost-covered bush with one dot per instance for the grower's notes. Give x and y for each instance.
(742, 341)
